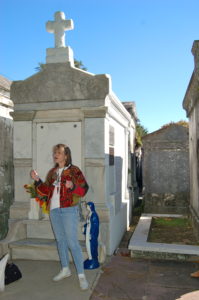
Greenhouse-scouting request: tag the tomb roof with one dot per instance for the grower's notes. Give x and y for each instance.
(5, 83)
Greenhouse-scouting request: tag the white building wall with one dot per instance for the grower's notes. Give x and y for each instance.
(117, 198)
(50, 134)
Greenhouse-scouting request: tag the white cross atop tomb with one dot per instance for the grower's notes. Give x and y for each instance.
(60, 53)
(58, 27)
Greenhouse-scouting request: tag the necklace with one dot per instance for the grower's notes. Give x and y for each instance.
(58, 177)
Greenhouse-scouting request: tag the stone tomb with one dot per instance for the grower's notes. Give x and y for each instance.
(6, 154)
(63, 104)
(191, 105)
(166, 170)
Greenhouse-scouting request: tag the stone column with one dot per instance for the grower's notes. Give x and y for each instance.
(95, 160)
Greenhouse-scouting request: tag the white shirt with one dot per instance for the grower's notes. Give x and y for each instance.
(55, 203)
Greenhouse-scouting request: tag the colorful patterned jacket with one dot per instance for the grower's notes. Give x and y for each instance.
(68, 197)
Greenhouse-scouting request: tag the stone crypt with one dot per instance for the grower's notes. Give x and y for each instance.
(64, 104)
(191, 105)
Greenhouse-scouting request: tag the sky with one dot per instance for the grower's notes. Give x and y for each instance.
(144, 45)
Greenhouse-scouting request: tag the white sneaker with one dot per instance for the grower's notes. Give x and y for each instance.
(83, 282)
(65, 272)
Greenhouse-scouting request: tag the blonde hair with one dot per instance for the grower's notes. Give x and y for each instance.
(67, 152)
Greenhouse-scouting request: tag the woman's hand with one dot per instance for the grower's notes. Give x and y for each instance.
(69, 184)
(34, 175)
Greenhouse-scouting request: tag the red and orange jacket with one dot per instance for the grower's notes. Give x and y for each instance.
(68, 197)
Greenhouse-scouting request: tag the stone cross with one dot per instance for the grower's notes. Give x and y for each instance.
(58, 27)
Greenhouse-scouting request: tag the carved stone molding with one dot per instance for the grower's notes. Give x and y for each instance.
(22, 162)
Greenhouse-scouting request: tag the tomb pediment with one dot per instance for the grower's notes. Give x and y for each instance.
(60, 82)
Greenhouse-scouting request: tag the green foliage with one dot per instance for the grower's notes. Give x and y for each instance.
(78, 64)
(140, 132)
(170, 222)
(40, 67)
(30, 188)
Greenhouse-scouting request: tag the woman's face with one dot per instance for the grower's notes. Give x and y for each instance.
(59, 156)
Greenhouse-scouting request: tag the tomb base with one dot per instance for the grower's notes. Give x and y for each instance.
(59, 55)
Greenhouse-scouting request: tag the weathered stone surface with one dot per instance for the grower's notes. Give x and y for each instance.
(191, 105)
(59, 82)
(6, 154)
(167, 202)
(166, 170)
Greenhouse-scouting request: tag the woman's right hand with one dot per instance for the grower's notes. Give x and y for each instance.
(34, 175)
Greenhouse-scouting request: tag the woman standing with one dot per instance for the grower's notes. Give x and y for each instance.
(64, 186)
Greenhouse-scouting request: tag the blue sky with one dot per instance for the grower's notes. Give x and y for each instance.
(145, 46)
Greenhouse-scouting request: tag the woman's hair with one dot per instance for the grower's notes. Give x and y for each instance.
(66, 151)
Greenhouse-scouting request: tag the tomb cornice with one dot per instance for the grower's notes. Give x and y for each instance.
(192, 92)
(23, 115)
(23, 162)
(118, 112)
(69, 104)
(113, 113)
(195, 52)
(58, 115)
(95, 112)
(115, 102)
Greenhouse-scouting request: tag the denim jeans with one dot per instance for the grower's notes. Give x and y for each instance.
(65, 226)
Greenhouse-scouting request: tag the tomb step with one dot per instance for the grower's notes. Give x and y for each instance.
(39, 229)
(19, 210)
(42, 229)
(38, 249)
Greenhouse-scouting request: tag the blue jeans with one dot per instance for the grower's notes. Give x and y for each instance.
(65, 226)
